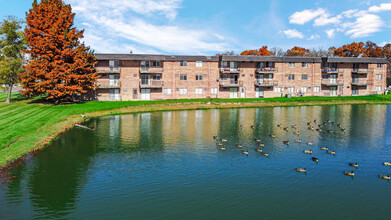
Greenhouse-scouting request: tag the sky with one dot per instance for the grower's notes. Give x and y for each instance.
(207, 27)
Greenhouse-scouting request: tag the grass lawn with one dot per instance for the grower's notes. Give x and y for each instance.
(25, 125)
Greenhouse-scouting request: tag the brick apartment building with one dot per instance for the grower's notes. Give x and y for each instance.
(153, 77)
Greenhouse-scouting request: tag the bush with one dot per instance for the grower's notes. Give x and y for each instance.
(388, 81)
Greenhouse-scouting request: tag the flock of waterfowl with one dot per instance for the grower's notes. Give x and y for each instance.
(313, 126)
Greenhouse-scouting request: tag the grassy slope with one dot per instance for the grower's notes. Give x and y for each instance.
(25, 126)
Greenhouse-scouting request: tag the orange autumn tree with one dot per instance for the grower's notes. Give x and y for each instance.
(351, 50)
(298, 51)
(60, 67)
(263, 51)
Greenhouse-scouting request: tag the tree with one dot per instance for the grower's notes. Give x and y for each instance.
(387, 54)
(298, 51)
(277, 51)
(227, 53)
(263, 51)
(12, 44)
(351, 50)
(372, 50)
(60, 67)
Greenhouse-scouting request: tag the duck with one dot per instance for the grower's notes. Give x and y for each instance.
(300, 170)
(221, 148)
(331, 152)
(285, 142)
(315, 159)
(310, 143)
(272, 135)
(298, 140)
(257, 140)
(353, 165)
(219, 144)
(258, 150)
(324, 148)
(387, 164)
(347, 173)
(265, 154)
(224, 140)
(261, 144)
(388, 177)
(245, 152)
(239, 146)
(307, 151)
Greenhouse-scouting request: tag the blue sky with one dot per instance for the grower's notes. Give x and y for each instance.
(212, 26)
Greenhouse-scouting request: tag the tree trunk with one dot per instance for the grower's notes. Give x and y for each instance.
(8, 101)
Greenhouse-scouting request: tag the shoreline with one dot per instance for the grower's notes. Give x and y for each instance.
(70, 122)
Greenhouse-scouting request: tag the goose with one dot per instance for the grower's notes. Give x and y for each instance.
(257, 140)
(296, 133)
(261, 144)
(387, 163)
(315, 121)
(318, 129)
(83, 116)
(286, 129)
(330, 131)
(310, 143)
(343, 129)
(328, 120)
(388, 177)
(258, 150)
(219, 144)
(339, 125)
(221, 148)
(252, 126)
(239, 146)
(272, 135)
(215, 137)
(315, 159)
(333, 123)
(307, 151)
(331, 152)
(324, 148)
(300, 170)
(353, 164)
(224, 140)
(293, 126)
(279, 125)
(308, 123)
(245, 152)
(298, 140)
(347, 173)
(265, 154)
(286, 142)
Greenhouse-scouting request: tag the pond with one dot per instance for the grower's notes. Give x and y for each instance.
(166, 165)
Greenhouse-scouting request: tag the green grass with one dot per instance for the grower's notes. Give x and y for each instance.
(26, 125)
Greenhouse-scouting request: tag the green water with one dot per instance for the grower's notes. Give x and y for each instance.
(165, 165)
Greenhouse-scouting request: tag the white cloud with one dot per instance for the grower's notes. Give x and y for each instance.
(325, 19)
(302, 17)
(220, 37)
(364, 26)
(314, 36)
(330, 33)
(293, 33)
(382, 7)
(384, 43)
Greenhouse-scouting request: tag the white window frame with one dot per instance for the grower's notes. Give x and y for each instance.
(289, 76)
(199, 63)
(167, 91)
(379, 76)
(304, 89)
(224, 64)
(292, 64)
(277, 89)
(213, 91)
(317, 89)
(224, 76)
(183, 77)
(183, 91)
(379, 65)
(291, 89)
(199, 77)
(378, 88)
(156, 64)
(199, 91)
(304, 75)
(183, 63)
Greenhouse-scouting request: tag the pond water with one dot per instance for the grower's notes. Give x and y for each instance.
(165, 165)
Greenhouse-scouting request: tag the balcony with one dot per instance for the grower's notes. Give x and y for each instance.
(151, 84)
(362, 71)
(151, 69)
(109, 84)
(266, 83)
(231, 83)
(229, 70)
(332, 82)
(108, 70)
(266, 70)
(361, 82)
(331, 70)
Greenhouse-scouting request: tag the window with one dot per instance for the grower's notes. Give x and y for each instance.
(277, 90)
(113, 65)
(198, 63)
(156, 77)
(134, 91)
(183, 91)
(183, 77)
(291, 65)
(270, 64)
(199, 77)
(303, 89)
(261, 65)
(144, 63)
(379, 65)
(183, 63)
(291, 89)
(291, 76)
(378, 76)
(333, 66)
(199, 91)
(233, 65)
(317, 89)
(304, 77)
(224, 64)
(378, 88)
(156, 64)
(269, 76)
(224, 76)
(304, 64)
(167, 91)
(213, 91)
(356, 66)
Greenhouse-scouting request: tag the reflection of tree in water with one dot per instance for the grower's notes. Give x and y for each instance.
(151, 131)
(59, 172)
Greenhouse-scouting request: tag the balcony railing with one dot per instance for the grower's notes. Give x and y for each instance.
(331, 70)
(266, 70)
(332, 82)
(151, 83)
(229, 70)
(108, 70)
(362, 70)
(109, 84)
(266, 83)
(231, 83)
(151, 69)
(361, 82)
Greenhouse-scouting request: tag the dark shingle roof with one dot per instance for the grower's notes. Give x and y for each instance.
(191, 58)
(271, 59)
(101, 56)
(356, 60)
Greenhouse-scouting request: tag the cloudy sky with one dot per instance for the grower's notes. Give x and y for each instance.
(211, 26)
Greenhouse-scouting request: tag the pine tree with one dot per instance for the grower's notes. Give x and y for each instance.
(60, 67)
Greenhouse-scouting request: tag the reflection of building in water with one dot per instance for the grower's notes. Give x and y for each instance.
(114, 129)
(130, 129)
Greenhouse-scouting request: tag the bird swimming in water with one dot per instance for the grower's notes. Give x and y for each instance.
(347, 173)
(315, 159)
(300, 170)
(353, 165)
(307, 151)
